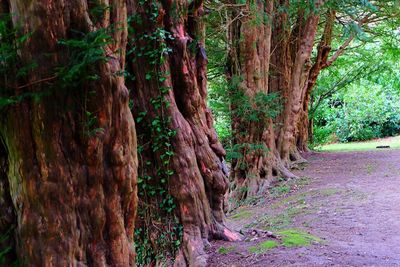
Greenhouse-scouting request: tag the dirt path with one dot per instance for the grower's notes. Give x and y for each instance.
(346, 214)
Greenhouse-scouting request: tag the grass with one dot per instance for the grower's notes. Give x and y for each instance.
(263, 247)
(297, 238)
(244, 214)
(226, 250)
(284, 212)
(289, 238)
(393, 142)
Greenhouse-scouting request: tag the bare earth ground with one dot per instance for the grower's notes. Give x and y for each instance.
(350, 204)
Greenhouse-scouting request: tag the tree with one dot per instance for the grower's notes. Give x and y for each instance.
(67, 133)
(357, 18)
(253, 107)
(183, 180)
(292, 48)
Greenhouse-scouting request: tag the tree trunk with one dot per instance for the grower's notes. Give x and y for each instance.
(303, 129)
(71, 148)
(7, 214)
(321, 62)
(252, 126)
(297, 47)
(169, 94)
(279, 80)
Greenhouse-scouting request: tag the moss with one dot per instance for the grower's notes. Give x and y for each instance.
(284, 187)
(284, 218)
(244, 214)
(297, 238)
(263, 247)
(225, 250)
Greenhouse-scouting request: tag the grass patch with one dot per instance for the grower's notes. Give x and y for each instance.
(280, 190)
(285, 211)
(297, 238)
(226, 250)
(393, 142)
(244, 214)
(284, 187)
(263, 247)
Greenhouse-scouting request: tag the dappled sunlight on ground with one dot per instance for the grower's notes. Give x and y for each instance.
(393, 142)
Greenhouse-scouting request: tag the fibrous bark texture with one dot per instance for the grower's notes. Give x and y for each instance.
(252, 105)
(71, 149)
(173, 90)
(290, 72)
(304, 127)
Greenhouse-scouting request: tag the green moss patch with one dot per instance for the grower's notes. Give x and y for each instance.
(263, 247)
(226, 250)
(297, 238)
(245, 214)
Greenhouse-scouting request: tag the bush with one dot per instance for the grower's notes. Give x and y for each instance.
(361, 113)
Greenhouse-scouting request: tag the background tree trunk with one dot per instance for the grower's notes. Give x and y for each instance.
(72, 181)
(321, 62)
(296, 46)
(248, 75)
(171, 93)
(279, 80)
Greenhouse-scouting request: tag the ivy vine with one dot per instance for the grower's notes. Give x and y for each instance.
(158, 234)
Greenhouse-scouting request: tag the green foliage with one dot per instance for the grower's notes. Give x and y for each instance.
(6, 251)
(237, 151)
(97, 10)
(364, 111)
(85, 52)
(10, 65)
(159, 233)
(259, 108)
(356, 99)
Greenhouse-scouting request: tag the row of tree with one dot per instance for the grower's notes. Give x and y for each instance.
(82, 184)
(276, 52)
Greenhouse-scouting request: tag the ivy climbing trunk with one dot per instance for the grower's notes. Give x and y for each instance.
(181, 157)
(252, 105)
(70, 139)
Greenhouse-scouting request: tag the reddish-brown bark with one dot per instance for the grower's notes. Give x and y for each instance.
(199, 182)
(74, 193)
(248, 72)
(290, 73)
(321, 62)
(279, 80)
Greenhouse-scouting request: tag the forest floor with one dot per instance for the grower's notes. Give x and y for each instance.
(344, 211)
